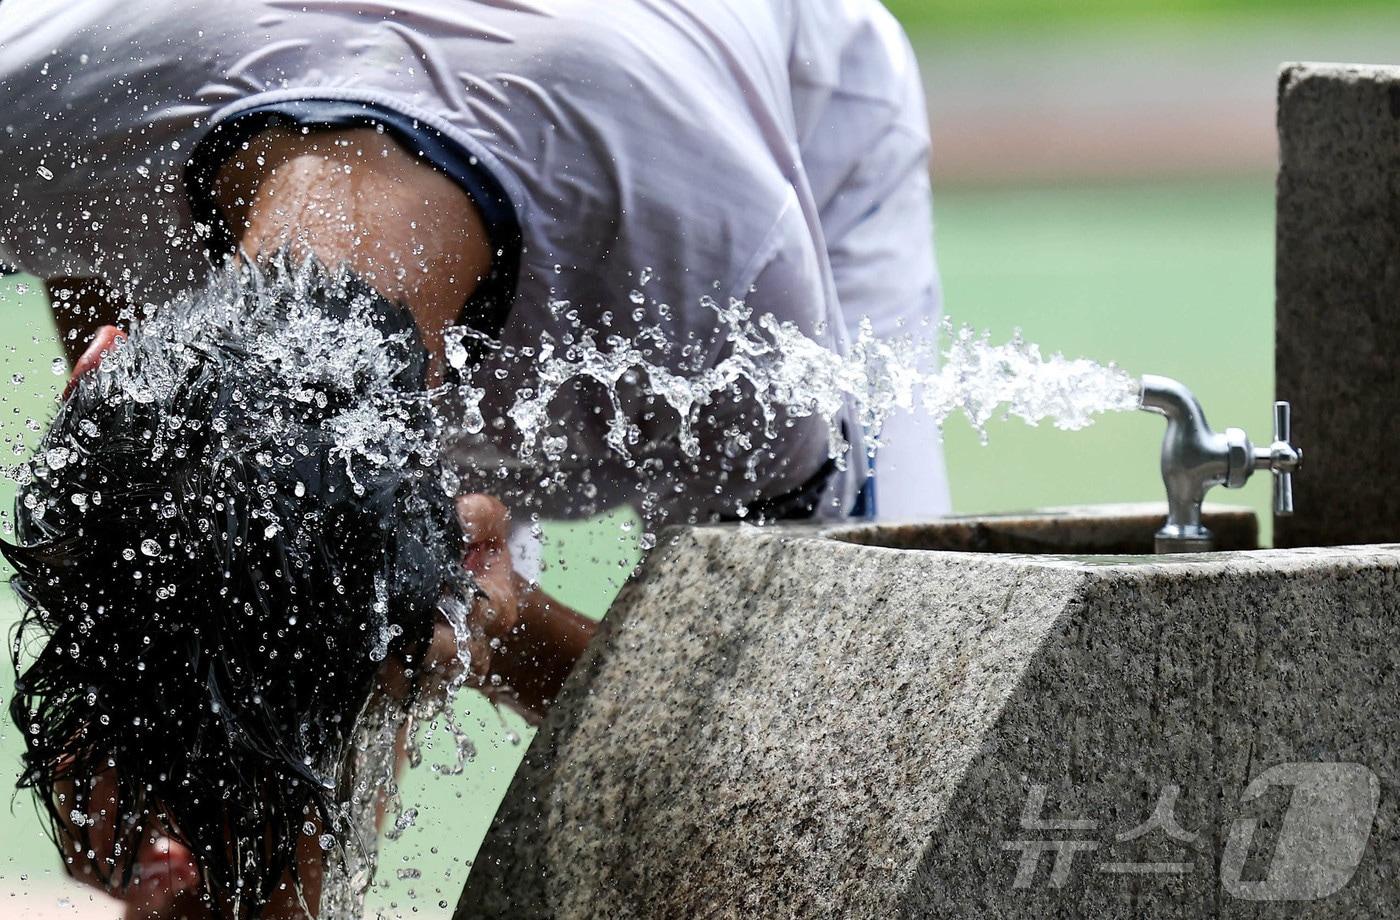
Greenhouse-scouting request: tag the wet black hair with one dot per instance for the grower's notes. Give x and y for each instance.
(227, 529)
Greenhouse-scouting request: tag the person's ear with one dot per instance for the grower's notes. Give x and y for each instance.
(103, 343)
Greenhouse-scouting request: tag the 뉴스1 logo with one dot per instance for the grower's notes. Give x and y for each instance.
(1321, 840)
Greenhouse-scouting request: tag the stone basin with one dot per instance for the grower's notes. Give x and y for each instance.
(976, 717)
(1118, 530)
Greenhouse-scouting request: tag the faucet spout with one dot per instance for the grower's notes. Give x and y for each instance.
(1195, 459)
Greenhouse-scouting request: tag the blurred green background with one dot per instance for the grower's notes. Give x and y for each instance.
(1103, 181)
(998, 15)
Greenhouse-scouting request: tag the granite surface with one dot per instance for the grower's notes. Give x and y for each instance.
(779, 723)
(1338, 298)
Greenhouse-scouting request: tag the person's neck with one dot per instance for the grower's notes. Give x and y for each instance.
(356, 198)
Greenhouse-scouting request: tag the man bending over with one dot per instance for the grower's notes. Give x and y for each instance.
(236, 536)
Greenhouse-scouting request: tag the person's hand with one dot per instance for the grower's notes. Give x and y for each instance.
(104, 342)
(486, 532)
(165, 882)
(486, 557)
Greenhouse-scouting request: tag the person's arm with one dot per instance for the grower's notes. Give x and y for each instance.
(537, 639)
(539, 653)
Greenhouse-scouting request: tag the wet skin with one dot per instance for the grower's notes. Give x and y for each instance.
(356, 198)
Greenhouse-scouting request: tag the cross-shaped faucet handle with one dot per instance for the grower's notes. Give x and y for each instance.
(1282, 458)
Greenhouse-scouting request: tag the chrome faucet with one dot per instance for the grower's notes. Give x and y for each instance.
(1195, 458)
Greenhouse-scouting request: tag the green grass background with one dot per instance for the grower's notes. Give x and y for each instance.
(1011, 15)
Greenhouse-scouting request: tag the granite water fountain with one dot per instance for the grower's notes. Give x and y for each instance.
(1101, 712)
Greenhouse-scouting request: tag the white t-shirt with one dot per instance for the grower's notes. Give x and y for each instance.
(773, 151)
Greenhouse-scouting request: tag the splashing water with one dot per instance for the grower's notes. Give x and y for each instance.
(776, 371)
(786, 373)
(789, 373)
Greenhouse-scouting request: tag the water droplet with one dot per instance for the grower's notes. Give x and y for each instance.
(406, 820)
(150, 548)
(456, 353)
(45, 173)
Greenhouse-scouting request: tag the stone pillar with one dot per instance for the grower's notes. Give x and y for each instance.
(793, 723)
(1338, 314)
